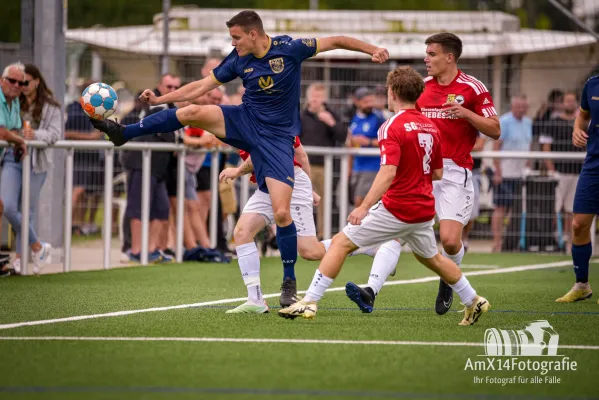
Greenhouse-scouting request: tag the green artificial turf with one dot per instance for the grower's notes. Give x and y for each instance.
(128, 369)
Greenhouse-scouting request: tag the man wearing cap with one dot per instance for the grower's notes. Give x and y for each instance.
(363, 133)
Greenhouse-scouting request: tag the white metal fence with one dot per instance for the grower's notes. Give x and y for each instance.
(336, 201)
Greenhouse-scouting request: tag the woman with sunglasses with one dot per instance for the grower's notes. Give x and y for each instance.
(41, 117)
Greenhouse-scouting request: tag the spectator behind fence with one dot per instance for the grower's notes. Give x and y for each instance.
(199, 138)
(320, 127)
(380, 93)
(159, 203)
(552, 106)
(40, 113)
(193, 162)
(516, 135)
(88, 169)
(556, 135)
(139, 111)
(13, 81)
(364, 128)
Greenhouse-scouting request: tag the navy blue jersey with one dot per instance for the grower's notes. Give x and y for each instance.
(272, 83)
(590, 103)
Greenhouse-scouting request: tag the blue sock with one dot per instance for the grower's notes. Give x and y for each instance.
(287, 241)
(581, 256)
(161, 122)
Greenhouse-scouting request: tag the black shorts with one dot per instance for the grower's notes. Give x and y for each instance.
(159, 204)
(203, 179)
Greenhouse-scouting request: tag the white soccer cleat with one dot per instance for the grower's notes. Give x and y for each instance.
(249, 308)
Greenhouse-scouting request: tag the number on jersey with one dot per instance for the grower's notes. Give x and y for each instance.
(425, 140)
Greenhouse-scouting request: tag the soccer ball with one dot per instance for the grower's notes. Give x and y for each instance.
(99, 100)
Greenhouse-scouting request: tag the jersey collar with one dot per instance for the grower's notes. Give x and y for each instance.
(267, 48)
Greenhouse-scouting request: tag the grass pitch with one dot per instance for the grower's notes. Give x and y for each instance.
(402, 350)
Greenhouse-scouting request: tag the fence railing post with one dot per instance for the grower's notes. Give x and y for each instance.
(108, 191)
(180, 205)
(145, 204)
(214, 198)
(328, 195)
(244, 191)
(68, 210)
(25, 207)
(344, 191)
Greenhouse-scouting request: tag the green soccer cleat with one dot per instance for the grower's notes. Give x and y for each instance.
(249, 308)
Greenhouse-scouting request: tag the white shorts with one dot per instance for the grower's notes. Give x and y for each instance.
(564, 192)
(454, 194)
(301, 205)
(381, 226)
(476, 183)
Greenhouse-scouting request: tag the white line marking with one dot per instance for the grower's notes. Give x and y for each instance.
(479, 266)
(435, 278)
(260, 340)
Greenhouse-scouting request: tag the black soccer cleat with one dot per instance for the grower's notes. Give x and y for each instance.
(444, 298)
(112, 129)
(363, 297)
(288, 293)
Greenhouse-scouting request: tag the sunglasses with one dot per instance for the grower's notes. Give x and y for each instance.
(16, 81)
(171, 87)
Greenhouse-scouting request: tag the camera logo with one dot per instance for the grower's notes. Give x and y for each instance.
(537, 339)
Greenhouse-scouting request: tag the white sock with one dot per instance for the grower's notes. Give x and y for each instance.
(369, 251)
(249, 264)
(456, 258)
(465, 291)
(319, 284)
(384, 262)
(327, 244)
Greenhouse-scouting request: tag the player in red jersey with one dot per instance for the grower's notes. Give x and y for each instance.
(461, 107)
(258, 213)
(410, 160)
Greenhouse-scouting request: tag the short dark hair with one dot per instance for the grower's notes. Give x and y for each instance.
(448, 41)
(570, 92)
(405, 83)
(247, 20)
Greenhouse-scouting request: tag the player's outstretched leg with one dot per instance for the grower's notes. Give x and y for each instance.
(208, 117)
(384, 264)
(249, 263)
(581, 255)
(280, 195)
(448, 271)
(450, 233)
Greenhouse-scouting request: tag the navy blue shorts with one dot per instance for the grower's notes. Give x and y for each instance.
(586, 199)
(272, 155)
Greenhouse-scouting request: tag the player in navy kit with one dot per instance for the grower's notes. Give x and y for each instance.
(267, 122)
(586, 199)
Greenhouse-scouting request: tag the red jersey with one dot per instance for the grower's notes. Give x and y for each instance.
(192, 131)
(457, 134)
(411, 142)
(244, 156)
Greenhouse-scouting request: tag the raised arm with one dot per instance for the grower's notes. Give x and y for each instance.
(379, 54)
(188, 92)
(302, 157)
